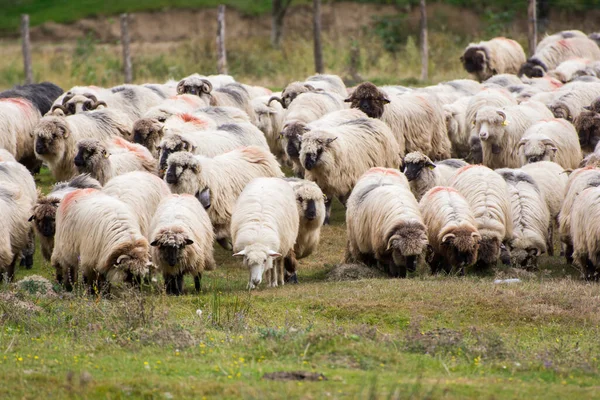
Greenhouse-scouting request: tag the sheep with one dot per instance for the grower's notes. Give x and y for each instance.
(587, 124)
(550, 39)
(456, 125)
(99, 235)
(592, 159)
(336, 157)
(551, 140)
(502, 80)
(570, 69)
(310, 202)
(579, 180)
(264, 227)
(41, 95)
(195, 84)
(500, 130)
(134, 100)
(15, 229)
(210, 143)
(142, 192)
(486, 194)
(270, 118)
(584, 232)
(418, 118)
(423, 174)
(103, 162)
(551, 179)
(56, 137)
(76, 103)
(496, 56)
(576, 95)
(332, 84)
(182, 241)
(384, 222)
(451, 230)
(218, 181)
(530, 217)
(183, 103)
(59, 107)
(44, 210)
(18, 119)
(550, 55)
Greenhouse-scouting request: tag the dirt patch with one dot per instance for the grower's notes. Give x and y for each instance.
(170, 336)
(294, 376)
(353, 272)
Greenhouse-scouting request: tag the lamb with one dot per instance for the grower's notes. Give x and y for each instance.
(142, 192)
(14, 230)
(270, 121)
(56, 137)
(384, 222)
(218, 181)
(530, 217)
(457, 127)
(18, 118)
(551, 140)
(584, 232)
(579, 180)
(486, 194)
(500, 130)
(99, 235)
(332, 84)
(41, 95)
(182, 241)
(310, 203)
(264, 227)
(423, 174)
(44, 210)
(550, 55)
(496, 56)
(336, 157)
(418, 118)
(451, 230)
(576, 95)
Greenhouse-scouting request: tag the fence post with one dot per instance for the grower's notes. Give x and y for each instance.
(127, 67)
(317, 36)
(424, 44)
(26, 48)
(532, 25)
(221, 53)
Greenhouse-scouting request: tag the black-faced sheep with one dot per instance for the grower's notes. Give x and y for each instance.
(423, 174)
(182, 241)
(314, 84)
(384, 222)
(552, 140)
(496, 56)
(587, 125)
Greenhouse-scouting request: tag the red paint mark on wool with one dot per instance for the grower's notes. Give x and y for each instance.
(189, 99)
(253, 153)
(555, 83)
(74, 196)
(438, 189)
(138, 150)
(192, 119)
(384, 171)
(465, 168)
(23, 104)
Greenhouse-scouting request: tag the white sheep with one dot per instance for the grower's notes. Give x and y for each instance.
(496, 56)
(502, 80)
(423, 174)
(384, 222)
(500, 130)
(315, 84)
(573, 68)
(15, 207)
(550, 39)
(218, 181)
(530, 217)
(551, 140)
(487, 195)
(18, 118)
(270, 118)
(182, 241)
(585, 232)
(456, 124)
(451, 230)
(264, 227)
(6, 155)
(99, 235)
(573, 97)
(183, 103)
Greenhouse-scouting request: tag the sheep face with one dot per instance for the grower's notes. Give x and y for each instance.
(407, 240)
(452, 123)
(171, 244)
(490, 126)
(524, 258)
(475, 59)
(533, 68)
(588, 128)
(194, 85)
(315, 152)
(44, 216)
(489, 250)
(90, 154)
(414, 163)
(537, 150)
(182, 173)
(170, 145)
(461, 247)
(50, 136)
(131, 259)
(148, 133)
(307, 207)
(257, 258)
(293, 133)
(369, 99)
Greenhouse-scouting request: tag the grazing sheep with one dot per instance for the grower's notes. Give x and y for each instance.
(332, 84)
(423, 174)
(44, 210)
(550, 55)
(487, 195)
(270, 121)
(451, 230)
(142, 192)
(134, 100)
(310, 202)
(573, 68)
(100, 236)
(218, 181)
(550, 39)
(530, 217)
(417, 118)
(500, 130)
(496, 56)
(456, 124)
(336, 157)
(182, 241)
(575, 96)
(103, 162)
(384, 222)
(15, 230)
(579, 180)
(551, 140)
(264, 227)
(585, 232)
(56, 137)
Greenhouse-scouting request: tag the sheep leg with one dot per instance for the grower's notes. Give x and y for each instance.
(569, 253)
(280, 273)
(179, 285)
(274, 277)
(27, 259)
(71, 277)
(328, 201)
(435, 263)
(197, 280)
(291, 265)
(267, 275)
(169, 283)
(550, 239)
(10, 270)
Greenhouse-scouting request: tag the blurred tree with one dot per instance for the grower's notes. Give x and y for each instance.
(278, 12)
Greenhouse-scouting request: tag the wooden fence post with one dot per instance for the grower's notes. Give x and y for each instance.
(424, 44)
(127, 67)
(26, 48)
(532, 25)
(221, 53)
(317, 36)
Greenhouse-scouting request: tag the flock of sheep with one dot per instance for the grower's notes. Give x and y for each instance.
(464, 174)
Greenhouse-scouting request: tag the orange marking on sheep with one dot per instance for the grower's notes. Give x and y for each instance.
(384, 171)
(139, 152)
(73, 196)
(438, 189)
(465, 168)
(20, 103)
(252, 153)
(192, 119)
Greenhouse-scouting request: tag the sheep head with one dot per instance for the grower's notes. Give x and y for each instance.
(293, 132)
(148, 133)
(587, 125)
(414, 163)
(50, 135)
(490, 125)
(369, 99)
(131, 258)
(475, 59)
(315, 150)
(44, 216)
(169, 145)
(258, 258)
(406, 242)
(194, 85)
(543, 149)
(524, 258)
(310, 202)
(91, 154)
(291, 92)
(561, 110)
(533, 68)
(489, 250)
(171, 243)
(460, 246)
(182, 173)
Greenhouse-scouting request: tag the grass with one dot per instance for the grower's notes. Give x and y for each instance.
(422, 337)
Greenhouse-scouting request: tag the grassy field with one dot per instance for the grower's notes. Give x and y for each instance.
(422, 337)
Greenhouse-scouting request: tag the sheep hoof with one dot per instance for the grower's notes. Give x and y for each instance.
(291, 278)
(225, 243)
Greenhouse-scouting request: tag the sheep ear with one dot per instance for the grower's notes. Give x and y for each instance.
(240, 253)
(31, 218)
(154, 243)
(188, 242)
(589, 108)
(349, 100)
(448, 237)
(180, 87)
(204, 198)
(430, 165)
(328, 141)
(501, 114)
(385, 100)
(274, 254)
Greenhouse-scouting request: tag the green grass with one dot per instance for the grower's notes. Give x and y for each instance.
(422, 337)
